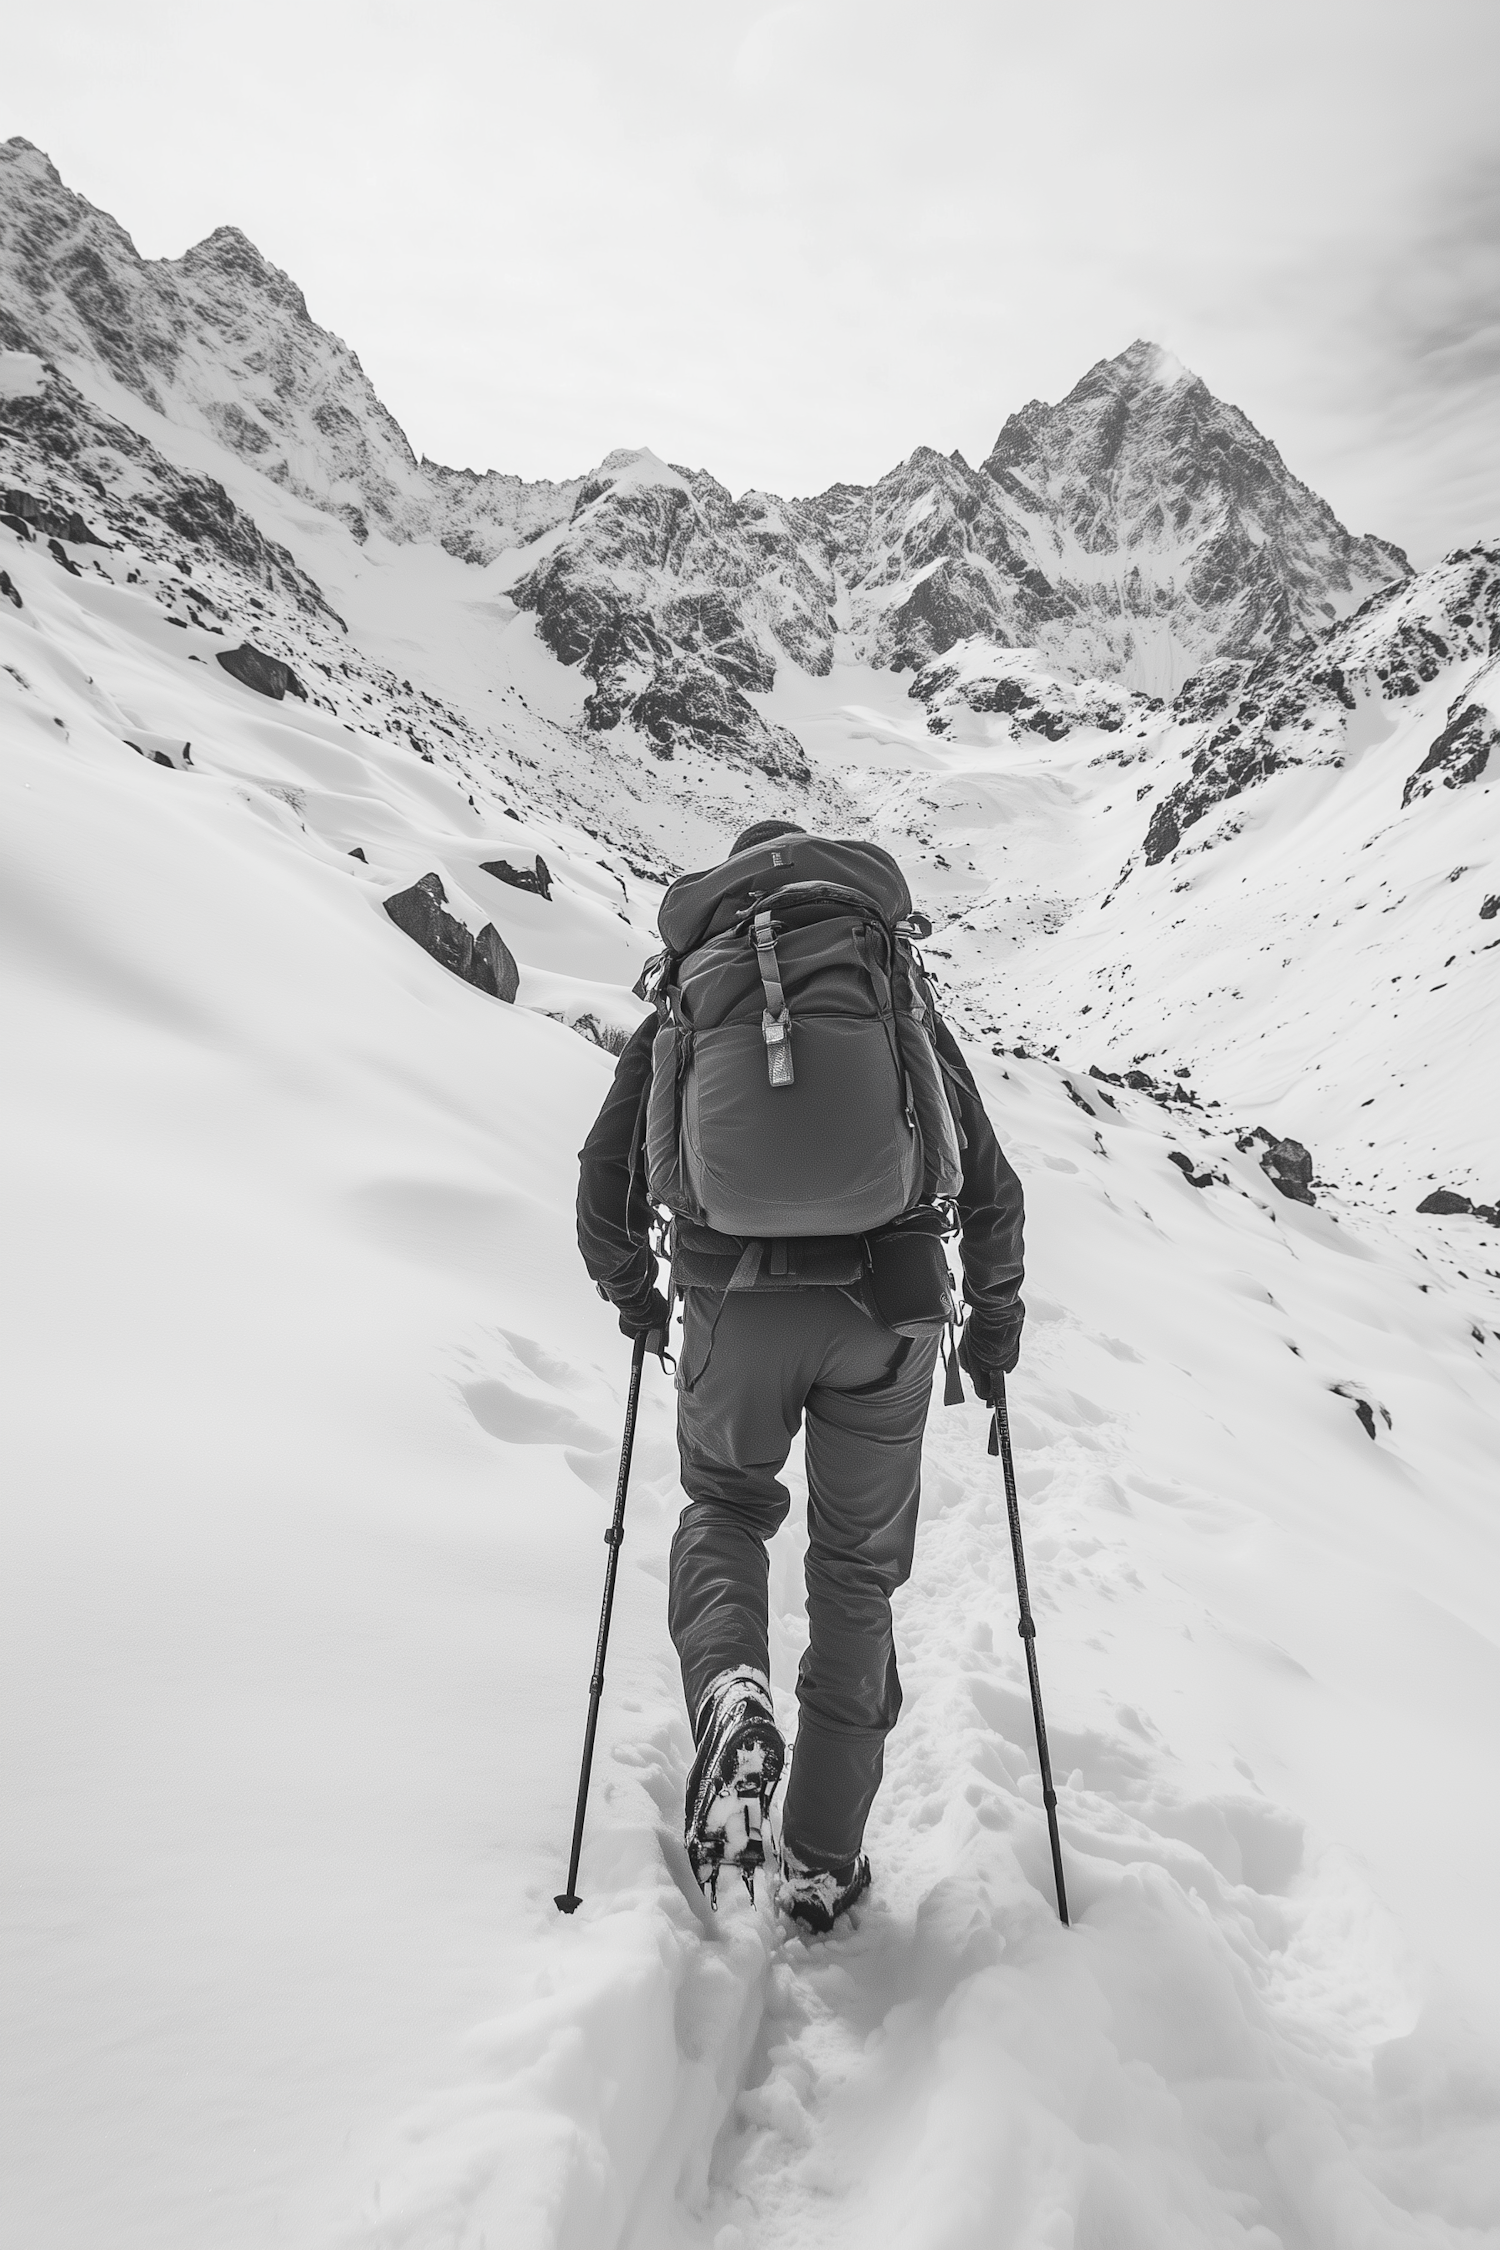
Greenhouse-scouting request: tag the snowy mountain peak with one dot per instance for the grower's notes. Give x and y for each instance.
(231, 257)
(1170, 504)
(221, 342)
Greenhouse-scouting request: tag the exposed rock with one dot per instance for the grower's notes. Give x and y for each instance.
(656, 598)
(976, 676)
(221, 340)
(1184, 1165)
(493, 967)
(1141, 1082)
(163, 750)
(1460, 753)
(588, 1026)
(1490, 908)
(9, 591)
(266, 674)
(1365, 1405)
(1292, 708)
(1445, 1203)
(63, 431)
(1215, 545)
(537, 880)
(357, 851)
(1287, 1164)
(422, 913)
(38, 516)
(485, 961)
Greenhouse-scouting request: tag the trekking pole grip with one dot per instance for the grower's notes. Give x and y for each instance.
(568, 1901)
(1026, 1627)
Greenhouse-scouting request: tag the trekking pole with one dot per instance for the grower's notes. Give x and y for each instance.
(568, 1901)
(1000, 1443)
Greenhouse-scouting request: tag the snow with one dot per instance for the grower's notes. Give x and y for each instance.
(22, 375)
(312, 1440)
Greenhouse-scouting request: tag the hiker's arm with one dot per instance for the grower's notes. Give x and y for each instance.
(990, 1205)
(613, 1214)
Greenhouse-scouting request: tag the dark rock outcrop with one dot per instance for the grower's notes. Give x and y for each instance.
(9, 591)
(1447, 1203)
(485, 961)
(1292, 707)
(53, 523)
(1460, 753)
(1287, 1164)
(266, 674)
(1366, 1406)
(493, 966)
(1184, 1165)
(537, 880)
(1490, 908)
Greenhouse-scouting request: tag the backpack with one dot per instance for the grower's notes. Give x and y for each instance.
(795, 1086)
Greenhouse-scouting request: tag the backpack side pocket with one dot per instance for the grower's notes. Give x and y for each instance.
(664, 1180)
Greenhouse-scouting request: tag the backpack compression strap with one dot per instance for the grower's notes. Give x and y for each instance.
(775, 1023)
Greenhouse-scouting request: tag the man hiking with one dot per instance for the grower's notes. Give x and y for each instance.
(806, 1117)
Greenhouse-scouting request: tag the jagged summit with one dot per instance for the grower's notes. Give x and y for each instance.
(1153, 497)
(233, 257)
(221, 341)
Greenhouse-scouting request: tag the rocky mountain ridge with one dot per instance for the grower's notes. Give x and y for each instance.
(1134, 531)
(221, 340)
(1324, 703)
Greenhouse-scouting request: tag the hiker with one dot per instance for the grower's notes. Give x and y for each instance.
(802, 1111)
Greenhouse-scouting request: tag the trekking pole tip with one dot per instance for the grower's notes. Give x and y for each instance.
(567, 1902)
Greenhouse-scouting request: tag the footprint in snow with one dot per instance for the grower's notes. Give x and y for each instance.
(520, 1418)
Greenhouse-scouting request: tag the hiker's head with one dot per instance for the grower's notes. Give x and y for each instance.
(761, 833)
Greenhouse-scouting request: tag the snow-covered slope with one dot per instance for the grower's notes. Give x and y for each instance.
(309, 1446)
(1287, 883)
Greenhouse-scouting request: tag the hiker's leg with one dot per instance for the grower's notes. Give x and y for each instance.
(864, 1457)
(736, 1418)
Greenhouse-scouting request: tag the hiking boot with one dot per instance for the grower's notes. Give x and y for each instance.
(815, 1897)
(734, 1778)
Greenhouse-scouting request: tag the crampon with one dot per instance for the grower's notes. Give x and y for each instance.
(735, 1775)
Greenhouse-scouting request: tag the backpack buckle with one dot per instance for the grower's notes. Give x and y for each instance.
(777, 1033)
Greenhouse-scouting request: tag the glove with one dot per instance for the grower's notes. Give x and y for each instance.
(652, 1319)
(991, 1345)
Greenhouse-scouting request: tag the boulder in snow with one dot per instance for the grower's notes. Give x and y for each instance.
(1287, 1164)
(266, 674)
(162, 749)
(1365, 1405)
(485, 961)
(536, 879)
(1447, 1203)
(493, 967)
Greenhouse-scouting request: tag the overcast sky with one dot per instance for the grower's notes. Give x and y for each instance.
(789, 243)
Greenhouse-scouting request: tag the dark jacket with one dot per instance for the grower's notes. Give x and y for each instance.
(614, 1214)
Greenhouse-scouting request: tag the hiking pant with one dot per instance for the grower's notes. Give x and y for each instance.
(775, 1356)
